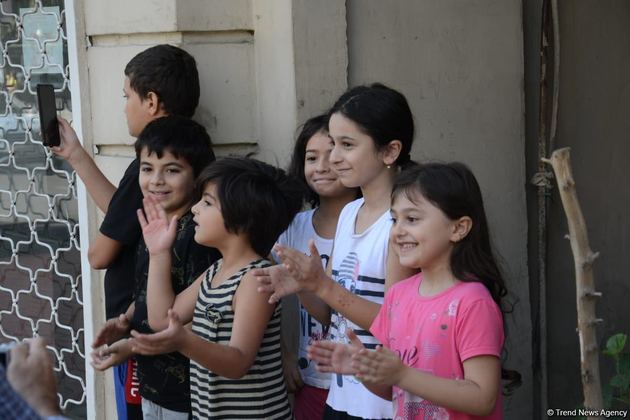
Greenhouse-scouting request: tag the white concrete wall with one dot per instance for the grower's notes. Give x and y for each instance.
(460, 65)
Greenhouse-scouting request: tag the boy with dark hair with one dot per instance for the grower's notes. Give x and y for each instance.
(172, 152)
(169, 72)
(159, 81)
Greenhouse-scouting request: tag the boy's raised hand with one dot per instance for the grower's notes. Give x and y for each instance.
(158, 232)
(70, 148)
(117, 353)
(165, 341)
(297, 273)
(336, 357)
(113, 330)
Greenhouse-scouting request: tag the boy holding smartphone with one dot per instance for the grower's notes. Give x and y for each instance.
(159, 81)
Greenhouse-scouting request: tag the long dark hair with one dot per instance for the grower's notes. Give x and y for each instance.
(382, 113)
(453, 189)
(296, 167)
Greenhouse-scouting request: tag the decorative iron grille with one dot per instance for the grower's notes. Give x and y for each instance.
(40, 270)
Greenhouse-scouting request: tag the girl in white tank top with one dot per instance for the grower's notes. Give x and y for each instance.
(371, 128)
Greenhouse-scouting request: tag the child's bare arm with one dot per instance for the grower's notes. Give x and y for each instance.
(103, 251)
(476, 394)
(97, 185)
(290, 367)
(251, 316)
(161, 297)
(314, 305)
(303, 273)
(159, 235)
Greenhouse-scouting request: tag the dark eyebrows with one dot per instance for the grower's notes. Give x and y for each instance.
(409, 209)
(340, 138)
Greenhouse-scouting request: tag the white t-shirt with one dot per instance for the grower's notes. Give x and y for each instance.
(359, 265)
(297, 236)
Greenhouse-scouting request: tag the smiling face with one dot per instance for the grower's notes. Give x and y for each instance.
(210, 229)
(423, 236)
(317, 171)
(168, 179)
(354, 157)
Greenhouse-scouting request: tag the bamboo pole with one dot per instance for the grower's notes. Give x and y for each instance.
(585, 283)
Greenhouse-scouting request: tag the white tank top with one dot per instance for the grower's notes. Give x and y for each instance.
(297, 236)
(359, 263)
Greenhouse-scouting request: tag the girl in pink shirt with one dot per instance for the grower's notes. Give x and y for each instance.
(441, 329)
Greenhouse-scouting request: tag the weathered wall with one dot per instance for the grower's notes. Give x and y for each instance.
(593, 121)
(460, 64)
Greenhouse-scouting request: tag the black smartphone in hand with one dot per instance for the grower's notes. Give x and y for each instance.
(48, 122)
(5, 349)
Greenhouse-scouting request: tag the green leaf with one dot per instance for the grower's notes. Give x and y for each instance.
(615, 344)
(624, 363)
(621, 381)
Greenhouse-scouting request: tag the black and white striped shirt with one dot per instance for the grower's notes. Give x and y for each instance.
(261, 393)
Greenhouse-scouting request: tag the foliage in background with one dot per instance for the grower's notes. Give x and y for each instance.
(617, 391)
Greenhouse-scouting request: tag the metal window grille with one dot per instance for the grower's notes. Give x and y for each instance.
(40, 269)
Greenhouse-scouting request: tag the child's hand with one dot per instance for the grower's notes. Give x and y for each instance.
(70, 147)
(158, 233)
(336, 357)
(382, 366)
(275, 280)
(166, 341)
(292, 375)
(117, 353)
(113, 330)
(299, 272)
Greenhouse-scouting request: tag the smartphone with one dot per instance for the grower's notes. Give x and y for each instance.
(48, 115)
(5, 350)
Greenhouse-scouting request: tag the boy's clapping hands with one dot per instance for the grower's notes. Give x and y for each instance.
(165, 341)
(113, 330)
(117, 353)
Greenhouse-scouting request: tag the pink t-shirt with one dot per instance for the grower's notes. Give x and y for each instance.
(436, 334)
